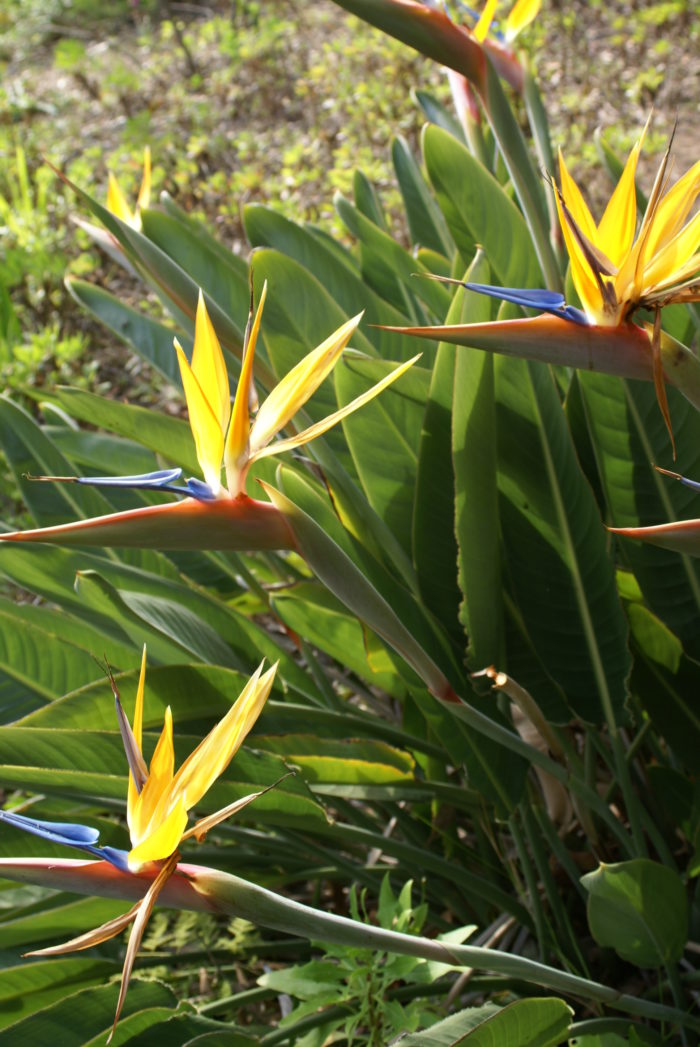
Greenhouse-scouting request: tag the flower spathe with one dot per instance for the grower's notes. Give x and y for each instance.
(117, 203)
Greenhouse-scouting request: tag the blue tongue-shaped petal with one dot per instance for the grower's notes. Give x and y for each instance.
(69, 833)
(160, 480)
(533, 298)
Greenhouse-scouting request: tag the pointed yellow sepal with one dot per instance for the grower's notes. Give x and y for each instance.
(615, 271)
(158, 811)
(116, 201)
(520, 16)
(481, 29)
(227, 437)
(238, 439)
(292, 392)
(205, 382)
(137, 729)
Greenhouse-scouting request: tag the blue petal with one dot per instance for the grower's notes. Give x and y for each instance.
(160, 479)
(197, 489)
(68, 833)
(693, 484)
(112, 855)
(533, 298)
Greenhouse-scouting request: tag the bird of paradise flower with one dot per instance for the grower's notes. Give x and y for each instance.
(227, 438)
(618, 268)
(158, 804)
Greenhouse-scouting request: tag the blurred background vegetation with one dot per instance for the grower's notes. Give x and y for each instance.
(244, 100)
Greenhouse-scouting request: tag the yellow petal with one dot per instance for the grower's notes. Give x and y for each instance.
(144, 197)
(211, 757)
(585, 283)
(298, 385)
(137, 729)
(481, 29)
(575, 202)
(677, 259)
(205, 426)
(163, 841)
(522, 13)
(673, 209)
(209, 367)
(153, 804)
(332, 419)
(617, 226)
(236, 448)
(116, 201)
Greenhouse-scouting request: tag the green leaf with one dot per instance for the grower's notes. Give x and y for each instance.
(33, 986)
(555, 546)
(319, 978)
(313, 613)
(170, 437)
(392, 422)
(478, 211)
(629, 436)
(525, 1023)
(165, 625)
(36, 665)
(437, 114)
(30, 452)
(367, 200)
(96, 453)
(84, 1015)
(389, 267)
(153, 341)
(63, 918)
(433, 525)
(349, 521)
(670, 701)
(173, 285)
(474, 454)
(335, 569)
(654, 638)
(219, 272)
(640, 909)
(347, 761)
(265, 227)
(185, 1030)
(426, 222)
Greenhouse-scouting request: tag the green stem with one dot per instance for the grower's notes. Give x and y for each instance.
(488, 727)
(535, 902)
(237, 897)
